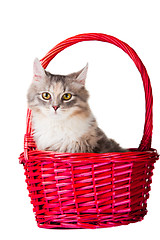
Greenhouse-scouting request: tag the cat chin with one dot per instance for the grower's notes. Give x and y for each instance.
(57, 115)
(60, 113)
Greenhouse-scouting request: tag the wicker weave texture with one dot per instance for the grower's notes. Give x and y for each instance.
(89, 190)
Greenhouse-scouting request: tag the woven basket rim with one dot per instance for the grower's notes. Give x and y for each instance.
(133, 155)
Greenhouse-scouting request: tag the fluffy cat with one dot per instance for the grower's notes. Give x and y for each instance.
(61, 117)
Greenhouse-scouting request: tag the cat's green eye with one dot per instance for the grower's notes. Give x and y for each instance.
(67, 96)
(46, 96)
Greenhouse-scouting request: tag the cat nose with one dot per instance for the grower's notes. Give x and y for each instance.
(55, 107)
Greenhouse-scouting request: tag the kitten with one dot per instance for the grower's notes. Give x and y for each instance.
(61, 117)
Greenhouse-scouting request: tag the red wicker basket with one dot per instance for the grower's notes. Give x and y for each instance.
(90, 190)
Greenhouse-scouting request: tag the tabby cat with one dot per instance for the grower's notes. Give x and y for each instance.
(61, 117)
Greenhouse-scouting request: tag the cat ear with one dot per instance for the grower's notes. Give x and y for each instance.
(38, 70)
(82, 75)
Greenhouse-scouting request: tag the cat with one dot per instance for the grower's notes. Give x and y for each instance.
(62, 120)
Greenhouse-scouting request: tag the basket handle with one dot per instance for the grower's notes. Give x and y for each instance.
(145, 143)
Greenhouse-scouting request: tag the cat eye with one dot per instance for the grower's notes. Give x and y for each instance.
(46, 95)
(66, 96)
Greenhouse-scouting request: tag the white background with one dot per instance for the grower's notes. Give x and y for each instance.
(30, 29)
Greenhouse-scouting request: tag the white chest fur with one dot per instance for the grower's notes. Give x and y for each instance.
(56, 134)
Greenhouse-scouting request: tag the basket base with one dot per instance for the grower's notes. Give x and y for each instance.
(91, 224)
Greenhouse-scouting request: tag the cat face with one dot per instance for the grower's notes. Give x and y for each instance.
(58, 96)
